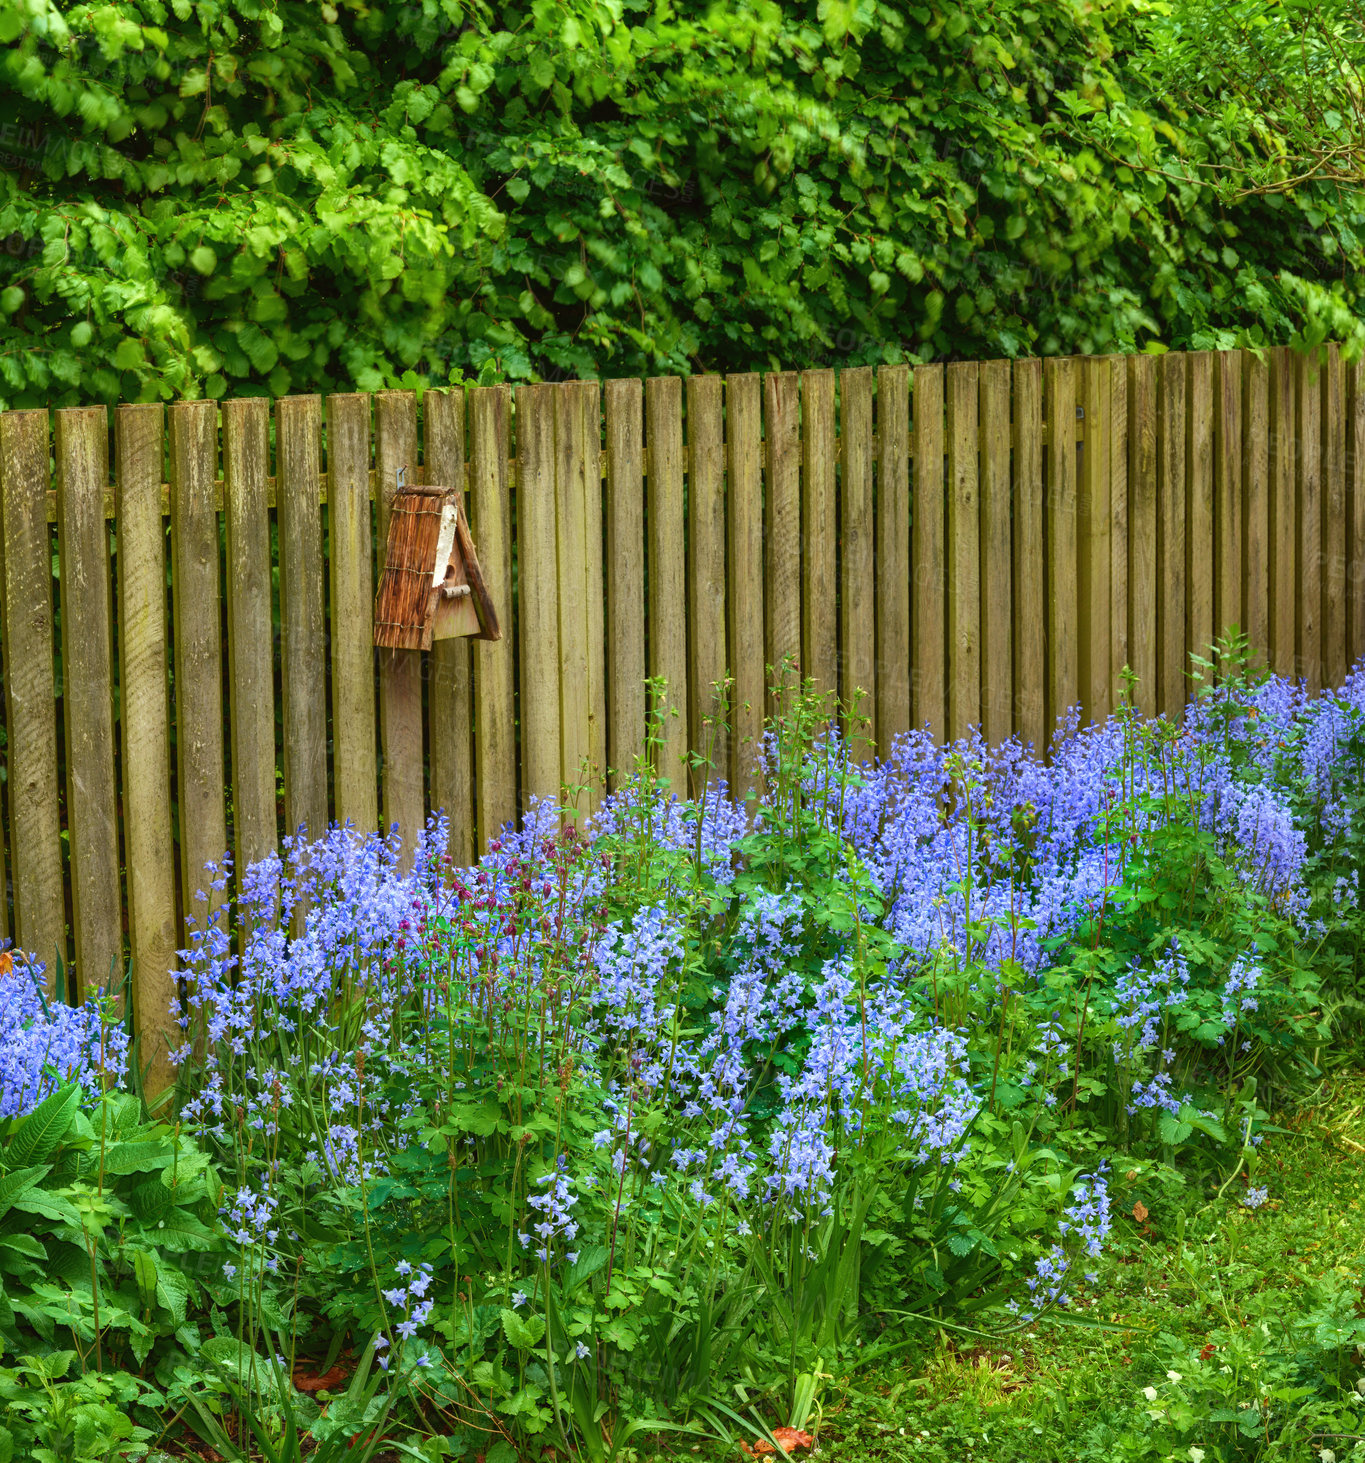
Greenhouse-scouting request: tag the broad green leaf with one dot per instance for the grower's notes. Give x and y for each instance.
(36, 1136)
(16, 1185)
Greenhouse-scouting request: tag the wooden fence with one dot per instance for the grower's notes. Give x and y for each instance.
(978, 543)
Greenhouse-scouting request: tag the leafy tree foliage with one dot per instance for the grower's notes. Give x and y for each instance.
(234, 195)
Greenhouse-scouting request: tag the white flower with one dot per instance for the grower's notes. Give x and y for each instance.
(1196, 1455)
(1173, 1376)
(1149, 1393)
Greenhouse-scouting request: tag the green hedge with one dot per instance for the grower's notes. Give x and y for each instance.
(235, 196)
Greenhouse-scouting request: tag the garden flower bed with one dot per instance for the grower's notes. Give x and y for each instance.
(665, 1125)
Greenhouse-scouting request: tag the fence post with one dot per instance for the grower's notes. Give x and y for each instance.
(625, 577)
(355, 778)
(964, 551)
(251, 636)
(782, 530)
(30, 691)
(744, 505)
(705, 568)
(451, 694)
(495, 748)
(997, 576)
(1229, 608)
(893, 555)
(82, 456)
(1095, 525)
(200, 771)
(666, 532)
(1283, 514)
(1199, 519)
(1030, 600)
(1308, 539)
(1334, 540)
(538, 601)
(153, 927)
(1063, 595)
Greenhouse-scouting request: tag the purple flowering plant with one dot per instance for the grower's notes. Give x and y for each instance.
(656, 1098)
(691, 1090)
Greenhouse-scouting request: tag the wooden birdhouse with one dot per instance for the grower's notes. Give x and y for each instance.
(431, 586)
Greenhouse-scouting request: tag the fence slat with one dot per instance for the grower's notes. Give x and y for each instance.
(495, 747)
(197, 597)
(1170, 544)
(744, 567)
(1030, 602)
(542, 767)
(1120, 636)
(782, 529)
(1199, 521)
(251, 635)
(893, 554)
(705, 567)
(964, 550)
(1228, 607)
(819, 533)
(624, 403)
(997, 578)
(1143, 586)
(450, 693)
(354, 760)
(1063, 601)
(572, 551)
(1256, 500)
(1308, 565)
(1283, 516)
(667, 564)
(1094, 527)
(590, 407)
(303, 621)
(857, 542)
(1355, 509)
(82, 457)
(928, 679)
(1334, 541)
(145, 713)
(400, 671)
(30, 693)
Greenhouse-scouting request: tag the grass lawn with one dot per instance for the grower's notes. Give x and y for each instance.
(1240, 1286)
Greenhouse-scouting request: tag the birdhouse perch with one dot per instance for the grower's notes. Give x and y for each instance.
(431, 587)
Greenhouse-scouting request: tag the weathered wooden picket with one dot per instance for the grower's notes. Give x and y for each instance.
(978, 543)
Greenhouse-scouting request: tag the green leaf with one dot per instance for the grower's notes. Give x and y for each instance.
(49, 1205)
(36, 1136)
(524, 1334)
(181, 1231)
(145, 1156)
(1210, 1127)
(15, 1185)
(130, 354)
(145, 1277)
(1172, 1130)
(24, 1244)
